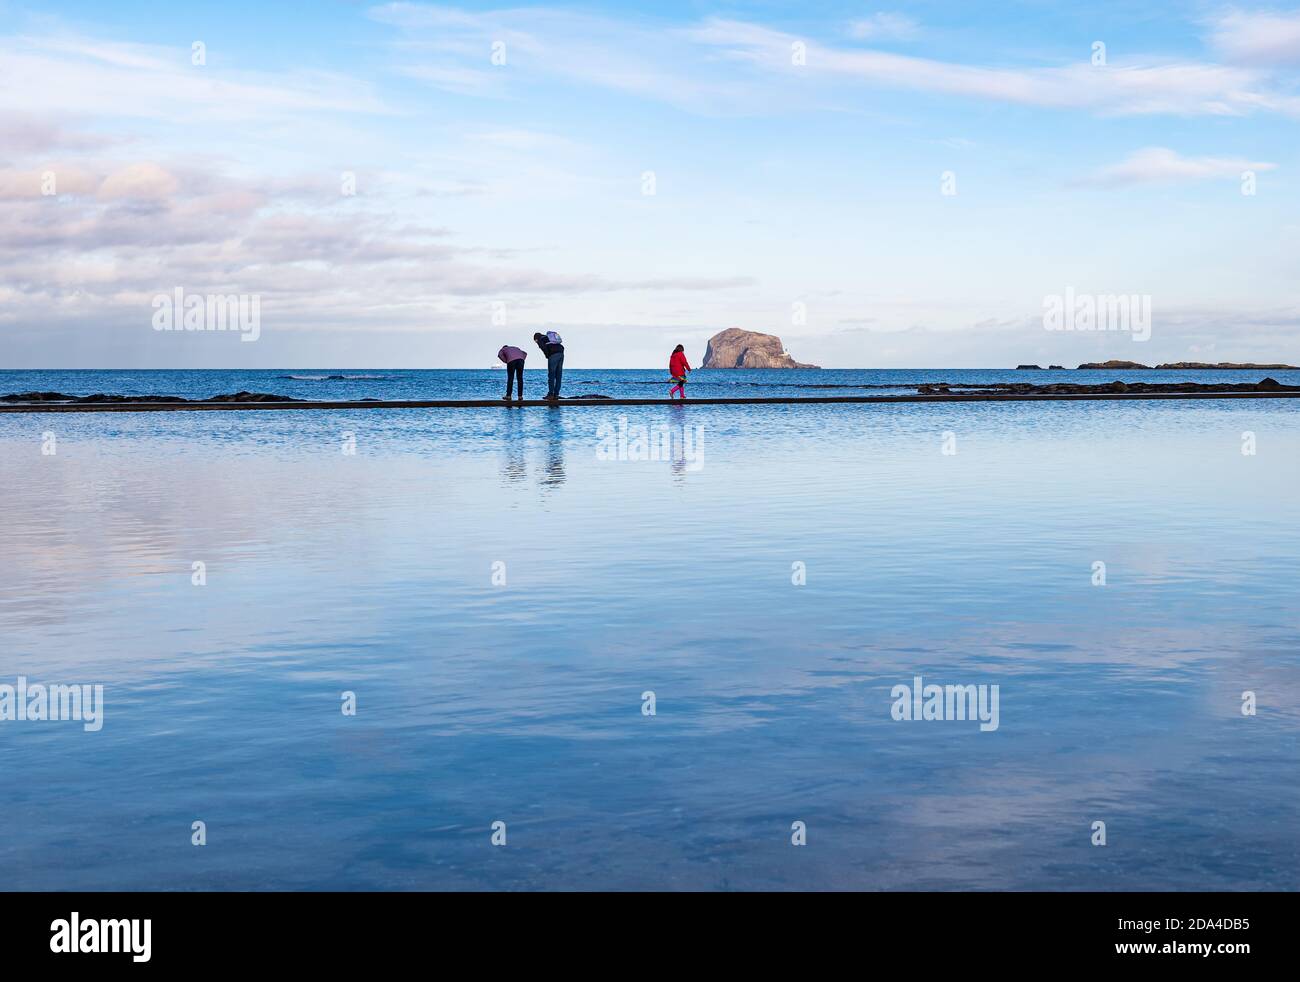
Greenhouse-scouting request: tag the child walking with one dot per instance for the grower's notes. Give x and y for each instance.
(678, 366)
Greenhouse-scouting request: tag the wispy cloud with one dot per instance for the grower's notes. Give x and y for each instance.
(725, 65)
(1257, 37)
(453, 49)
(64, 74)
(1185, 88)
(1160, 165)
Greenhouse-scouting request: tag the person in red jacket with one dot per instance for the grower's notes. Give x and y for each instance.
(678, 366)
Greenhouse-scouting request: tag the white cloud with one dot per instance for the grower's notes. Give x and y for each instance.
(144, 180)
(115, 235)
(23, 135)
(62, 75)
(698, 68)
(1186, 88)
(1160, 165)
(1257, 37)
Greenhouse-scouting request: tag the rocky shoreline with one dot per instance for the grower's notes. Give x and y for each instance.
(100, 397)
(1075, 388)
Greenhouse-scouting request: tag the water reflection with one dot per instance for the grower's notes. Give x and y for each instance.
(328, 573)
(684, 456)
(514, 463)
(555, 437)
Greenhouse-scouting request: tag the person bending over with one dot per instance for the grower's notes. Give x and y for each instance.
(514, 361)
(553, 348)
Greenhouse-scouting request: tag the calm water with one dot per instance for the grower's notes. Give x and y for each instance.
(379, 383)
(478, 702)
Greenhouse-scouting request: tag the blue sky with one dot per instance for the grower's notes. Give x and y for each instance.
(798, 161)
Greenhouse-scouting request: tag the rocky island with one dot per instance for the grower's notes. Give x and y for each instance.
(734, 348)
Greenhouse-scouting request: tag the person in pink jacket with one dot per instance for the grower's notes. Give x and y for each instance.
(514, 362)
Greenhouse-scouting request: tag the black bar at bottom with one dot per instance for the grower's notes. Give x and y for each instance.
(334, 931)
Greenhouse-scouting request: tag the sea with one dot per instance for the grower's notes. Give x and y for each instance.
(650, 647)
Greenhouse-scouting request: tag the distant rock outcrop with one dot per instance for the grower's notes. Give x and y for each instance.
(1188, 366)
(734, 348)
(1203, 365)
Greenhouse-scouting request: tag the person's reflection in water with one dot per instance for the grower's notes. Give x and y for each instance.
(514, 466)
(554, 476)
(677, 462)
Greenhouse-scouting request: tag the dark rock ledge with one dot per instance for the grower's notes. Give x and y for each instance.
(100, 397)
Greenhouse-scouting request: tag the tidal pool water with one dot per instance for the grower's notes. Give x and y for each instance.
(501, 597)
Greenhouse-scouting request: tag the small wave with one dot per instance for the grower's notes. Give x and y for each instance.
(334, 378)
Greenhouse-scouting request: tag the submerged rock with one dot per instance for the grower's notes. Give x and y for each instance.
(242, 396)
(37, 397)
(98, 397)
